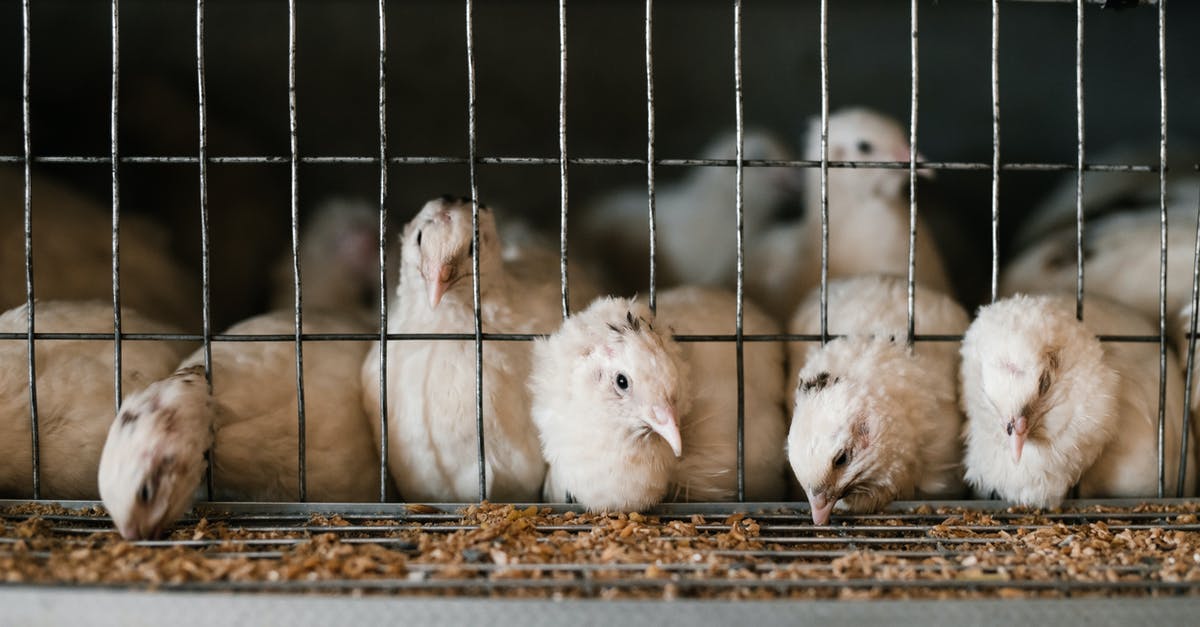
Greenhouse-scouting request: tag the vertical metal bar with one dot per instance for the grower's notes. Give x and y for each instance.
(650, 155)
(1190, 370)
(912, 178)
(116, 207)
(1079, 159)
(995, 149)
(35, 441)
(562, 153)
(1162, 237)
(296, 280)
(383, 292)
(824, 171)
(471, 166)
(740, 215)
(205, 257)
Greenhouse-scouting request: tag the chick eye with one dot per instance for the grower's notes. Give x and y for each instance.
(622, 382)
(144, 494)
(1044, 383)
(841, 459)
(865, 147)
(418, 238)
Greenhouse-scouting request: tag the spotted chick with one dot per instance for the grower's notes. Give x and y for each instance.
(154, 455)
(875, 420)
(629, 417)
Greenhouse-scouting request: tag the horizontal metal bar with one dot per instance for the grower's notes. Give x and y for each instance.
(592, 161)
(494, 337)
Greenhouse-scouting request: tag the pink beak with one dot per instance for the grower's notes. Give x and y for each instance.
(821, 508)
(665, 424)
(439, 284)
(1017, 427)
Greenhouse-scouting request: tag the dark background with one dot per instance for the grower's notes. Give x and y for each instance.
(516, 47)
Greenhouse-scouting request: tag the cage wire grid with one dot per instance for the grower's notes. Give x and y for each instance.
(934, 537)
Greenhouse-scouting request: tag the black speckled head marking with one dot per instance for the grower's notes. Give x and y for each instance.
(816, 383)
(127, 417)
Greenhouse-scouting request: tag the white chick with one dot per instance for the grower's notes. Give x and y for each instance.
(339, 260)
(696, 219)
(1121, 260)
(534, 260)
(1049, 406)
(72, 255)
(628, 417)
(431, 384)
(74, 393)
(253, 413)
(868, 217)
(873, 420)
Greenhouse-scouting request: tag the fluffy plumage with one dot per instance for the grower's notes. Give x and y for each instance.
(628, 417)
(533, 259)
(874, 421)
(1050, 406)
(72, 255)
(74, 393)
(253, 413)
(431, 384)
(1121, 259)
(339, 259)
(695, 216)
(868, 218)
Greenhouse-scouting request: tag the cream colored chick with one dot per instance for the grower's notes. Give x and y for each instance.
(1121, 260)
(1049, 406)
(74, 393)
(431, 384)
(696, 216)
(339, 260)
(868, 218)
(873, 420)
(72, 255)
(253, 413)
(628, 417)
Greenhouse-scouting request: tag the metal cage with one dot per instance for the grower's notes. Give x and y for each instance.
(912, 533)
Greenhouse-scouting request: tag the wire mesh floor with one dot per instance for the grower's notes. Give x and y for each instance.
(931, 550)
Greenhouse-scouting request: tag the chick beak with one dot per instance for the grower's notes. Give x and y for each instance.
(663, 421)
(1017, 427)
(437, 280)
(821, 507)
(129, 531)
